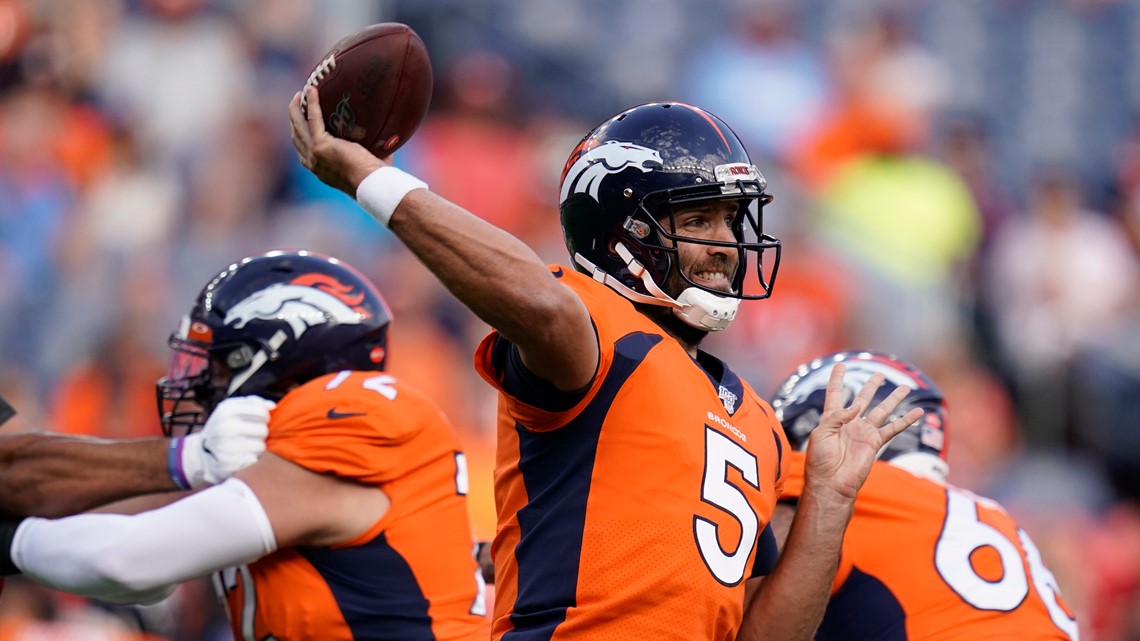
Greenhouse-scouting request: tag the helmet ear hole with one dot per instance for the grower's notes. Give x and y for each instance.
(240, 357)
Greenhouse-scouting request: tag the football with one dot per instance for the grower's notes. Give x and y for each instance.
(375, 86)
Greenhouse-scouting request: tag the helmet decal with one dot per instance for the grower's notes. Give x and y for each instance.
(585, 174)
(327, 283)
(921, 448)
(854, 380)
(298, 305)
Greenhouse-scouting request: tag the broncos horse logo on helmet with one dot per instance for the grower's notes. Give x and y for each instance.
(611, 157)
(267, 324)
(921, 448)
(299, 306)
(621, 186)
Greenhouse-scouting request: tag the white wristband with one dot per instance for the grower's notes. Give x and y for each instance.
(382, 190)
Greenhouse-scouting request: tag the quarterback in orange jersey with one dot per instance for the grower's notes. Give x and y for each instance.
(635, 474)
(351, 526)
(922, 559)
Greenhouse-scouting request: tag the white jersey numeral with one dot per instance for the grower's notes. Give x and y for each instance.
(226, 581)
(461, 483)
(383, 385)
(727, 566)
(479, 605)
(963, 533)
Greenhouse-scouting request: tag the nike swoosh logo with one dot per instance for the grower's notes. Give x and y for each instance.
(335, 414)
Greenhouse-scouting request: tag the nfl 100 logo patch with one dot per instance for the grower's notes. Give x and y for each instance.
(728, 398)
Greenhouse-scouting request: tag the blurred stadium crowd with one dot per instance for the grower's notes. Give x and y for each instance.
(974, 163)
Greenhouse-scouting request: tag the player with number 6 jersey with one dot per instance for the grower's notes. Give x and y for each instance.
(922, 559)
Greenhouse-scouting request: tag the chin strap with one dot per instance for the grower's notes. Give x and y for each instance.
(706, 310)
(695, 306)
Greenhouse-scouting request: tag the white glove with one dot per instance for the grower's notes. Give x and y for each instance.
(233, 438)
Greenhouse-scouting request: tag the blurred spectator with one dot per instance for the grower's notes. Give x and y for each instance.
(36, 200)
(907, 226)
(129, 208)
(1059, 276)
(111, 394)
(1106, 381)
(762, 77)
(967, 149)
(888, 87)
(472, 149)
(175, 71)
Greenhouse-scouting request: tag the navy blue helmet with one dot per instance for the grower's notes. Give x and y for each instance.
(267, 324)
(798, 403)
(625, 179)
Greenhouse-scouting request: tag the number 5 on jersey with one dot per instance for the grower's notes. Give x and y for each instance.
(727, 566)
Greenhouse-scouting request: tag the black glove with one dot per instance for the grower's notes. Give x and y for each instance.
(8, 525)
(6, 411)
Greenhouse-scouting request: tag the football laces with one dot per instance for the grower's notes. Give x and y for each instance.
(322, 70)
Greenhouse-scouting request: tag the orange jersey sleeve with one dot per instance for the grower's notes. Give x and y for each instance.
(412, 575)
(929, 561)
(359, 425)
(635, 511)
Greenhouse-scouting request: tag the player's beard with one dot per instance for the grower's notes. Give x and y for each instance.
(673, 286)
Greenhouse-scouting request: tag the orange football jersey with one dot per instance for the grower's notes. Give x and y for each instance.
(924, 561)
(634, 512)
(412, 575)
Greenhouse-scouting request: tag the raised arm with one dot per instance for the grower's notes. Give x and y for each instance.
(494, 274)
(790, 602)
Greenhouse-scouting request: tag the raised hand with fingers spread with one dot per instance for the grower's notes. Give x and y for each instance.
(848, 439)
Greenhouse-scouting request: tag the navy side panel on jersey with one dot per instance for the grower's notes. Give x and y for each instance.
(376, 590)
(556, 468)
(863, 610)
